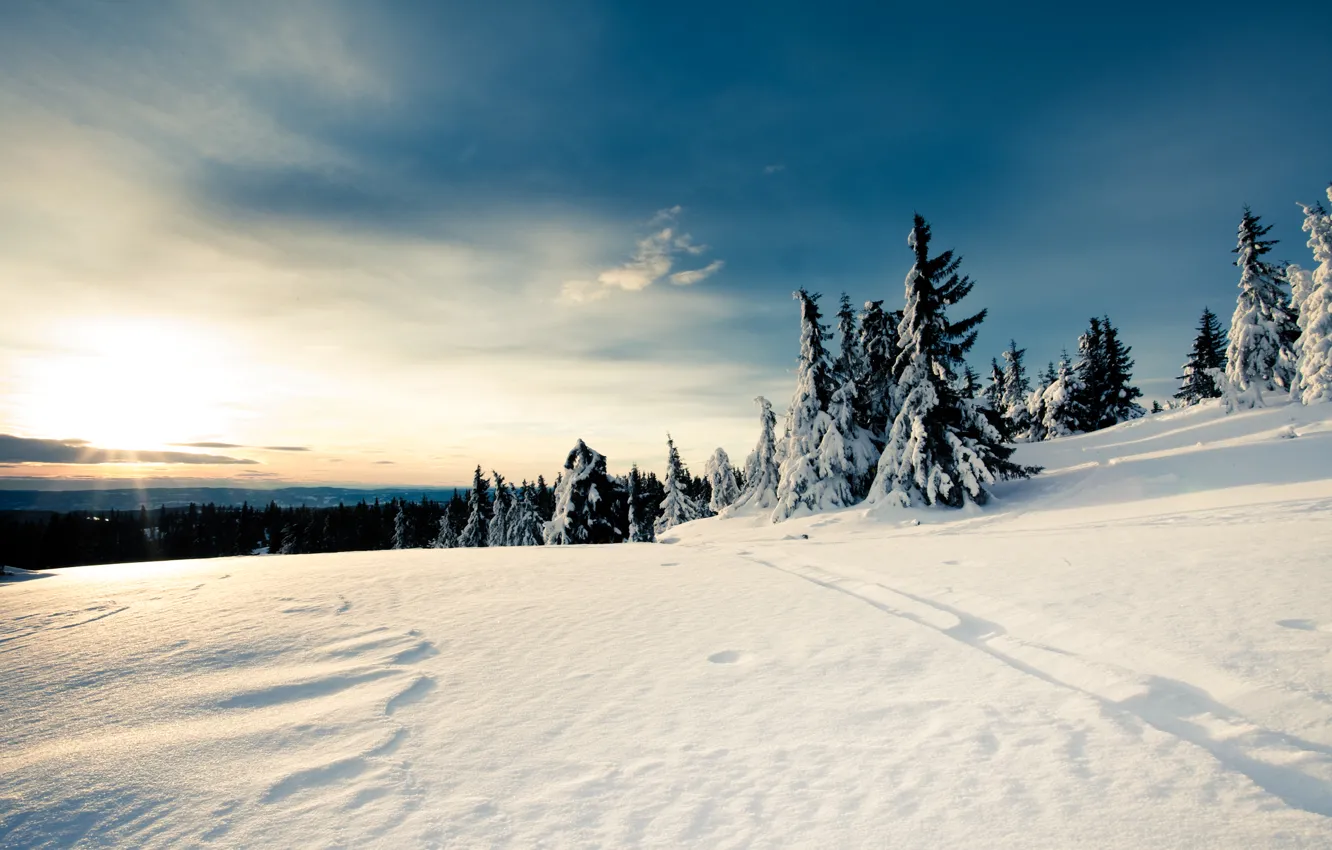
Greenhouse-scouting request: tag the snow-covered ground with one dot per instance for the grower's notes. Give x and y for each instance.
(1132, 650)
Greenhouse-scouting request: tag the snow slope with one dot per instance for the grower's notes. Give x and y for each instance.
(1133, 650)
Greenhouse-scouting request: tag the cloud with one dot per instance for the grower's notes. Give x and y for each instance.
(690, 278)
(24, 450)
(653, 258)
(384, 462)
(207, 445)
(773, 169)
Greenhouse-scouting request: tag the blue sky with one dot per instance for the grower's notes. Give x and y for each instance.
(417, 236)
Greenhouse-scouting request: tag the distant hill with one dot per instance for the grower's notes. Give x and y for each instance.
(129, 499)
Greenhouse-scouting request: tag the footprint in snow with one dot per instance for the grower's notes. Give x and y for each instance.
(1304, 625)
(728, 656)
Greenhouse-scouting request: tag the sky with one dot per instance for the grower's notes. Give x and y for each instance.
(353, 243)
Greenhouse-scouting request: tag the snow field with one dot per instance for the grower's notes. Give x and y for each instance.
(1132, 650)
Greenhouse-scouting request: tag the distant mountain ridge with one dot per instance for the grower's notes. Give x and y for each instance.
(131, 499)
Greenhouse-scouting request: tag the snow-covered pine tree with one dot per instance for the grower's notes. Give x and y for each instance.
(850, 365)
(994, 390)
(846, 458)
(1090, 368)
(640, 527)
(1062, 403)
(761, 472)
(1206, 360)
(1315, 302)
(587, 502)
(1119, 397)
(807, 418)
(525, 524)
(446, 537)
(1013, 405)
(404, 535)
(474, 534)
(721, 478)
(879, 344)
(497, 531)
(940, 448)
(676, 507)
(1260, 355)
(1035, 431)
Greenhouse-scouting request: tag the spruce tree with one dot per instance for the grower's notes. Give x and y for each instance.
(880, 346)
(446, 537)
(1016, 386)
(497, 531)
(676, 506)
(474, 534)
(1119, 397)
(761, 472)
(1260, 356)
(940, 449)
(1315, 322)
(721, 478)
(588, 503)
(1063, 410)
(640, 527)
(807, 418)
(403, 533)
(994, 390)
(525, 525)
(846, 457)
(1206, 363)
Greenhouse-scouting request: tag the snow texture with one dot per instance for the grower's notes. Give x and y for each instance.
(1128, 651)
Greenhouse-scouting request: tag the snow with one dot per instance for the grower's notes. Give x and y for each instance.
(1133, 649)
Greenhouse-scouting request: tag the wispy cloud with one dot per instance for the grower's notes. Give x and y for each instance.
(653, 258)
(26, 450)
(773, 169)
(208, 445)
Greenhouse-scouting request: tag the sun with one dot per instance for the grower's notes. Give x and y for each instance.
(128, 383)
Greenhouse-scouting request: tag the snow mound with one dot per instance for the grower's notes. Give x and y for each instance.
(1132, 650)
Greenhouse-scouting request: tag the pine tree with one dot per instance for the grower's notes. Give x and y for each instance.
(525, 524)
(497, 532)
(846, 456)
(640, 527)
(1063, 411)
(403, 532)
(940, 449)
(1119, 397)
(851, 365)
(1315, 303)
(1260, 356)
(1013, 406)
(880, 346)
(1207, 361)
(807, 418)
(474, 533)
(446, 538)
(994, 390)
(676, 506)
(721, 478)
(587, 502)
(761, 472)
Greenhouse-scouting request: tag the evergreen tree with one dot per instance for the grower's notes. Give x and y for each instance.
(807, 419)
(676, 506)
(446, 538)
(851, 365)
(761, 472)
(1013, 406)
(474, 534)
(940, 449)
(1260, 356)
(721, 478)
(525, 524)
(640, 530)
(497, 532)
(994, 390)
(1063, 412)
(1118, 401)
(846, 457)
(1315, 322)
(403, 533)
(880, 346)
(1206, 363)
(587, 502)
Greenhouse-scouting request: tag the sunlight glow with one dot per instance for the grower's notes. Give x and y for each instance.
(129, 383)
